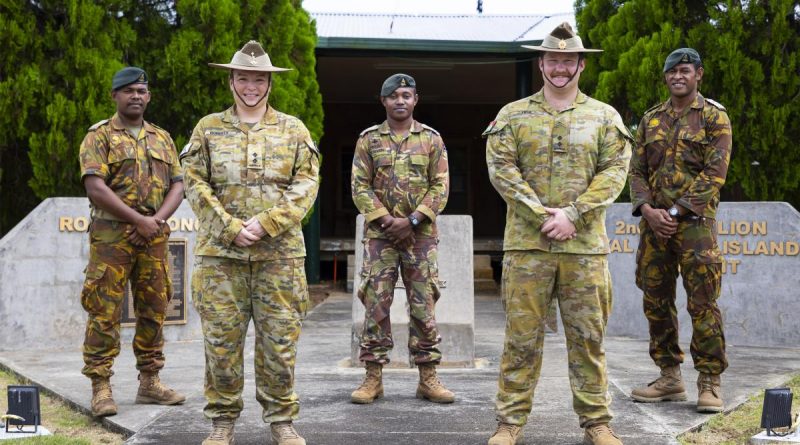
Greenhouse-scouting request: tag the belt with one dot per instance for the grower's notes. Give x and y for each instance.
(102, 214)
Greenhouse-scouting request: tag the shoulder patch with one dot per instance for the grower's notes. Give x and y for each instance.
(715, 103)
(431, 129)
(367, 130)
(494, 127)
(98, 125)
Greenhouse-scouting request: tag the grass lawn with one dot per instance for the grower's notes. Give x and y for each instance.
(737, 427)
(68, 426)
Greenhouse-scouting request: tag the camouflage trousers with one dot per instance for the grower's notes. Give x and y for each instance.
(581, 284)
(378, 279)
(692, 252)
(227, 293)
(113, 261)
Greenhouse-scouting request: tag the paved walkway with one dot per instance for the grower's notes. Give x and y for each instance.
(324, 386)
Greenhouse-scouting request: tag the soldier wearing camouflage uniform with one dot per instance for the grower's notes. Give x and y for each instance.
(252, 174)
(130, 170)
(400, 183)
(558, 158)
(682, 152)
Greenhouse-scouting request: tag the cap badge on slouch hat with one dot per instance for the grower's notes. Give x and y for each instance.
(562, 40)
(251, 57)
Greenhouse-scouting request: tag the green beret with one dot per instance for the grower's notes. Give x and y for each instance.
(396, 81)
(682, 55)
(127, 76)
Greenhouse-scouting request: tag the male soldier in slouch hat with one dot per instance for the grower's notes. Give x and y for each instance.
(400, 184)
(252, 174)
(558, 158)
(131, 174)
(683, 148)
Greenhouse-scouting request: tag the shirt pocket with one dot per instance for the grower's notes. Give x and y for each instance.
(162, 157)
(692, 148)
(226, 159)
(382, 163)
(655, 149)
(279, 160)
(419, 169)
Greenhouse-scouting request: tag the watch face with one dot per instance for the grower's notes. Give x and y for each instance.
(673, 211)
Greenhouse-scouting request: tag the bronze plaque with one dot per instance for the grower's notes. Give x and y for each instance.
(176, 310)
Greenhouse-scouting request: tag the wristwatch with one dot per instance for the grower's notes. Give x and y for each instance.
(673, 212)
(413, 219)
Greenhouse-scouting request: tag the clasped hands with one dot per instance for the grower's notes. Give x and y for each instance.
(250, 233)
(399, 231)
(144, 230)
(663, 225)
(557, 226)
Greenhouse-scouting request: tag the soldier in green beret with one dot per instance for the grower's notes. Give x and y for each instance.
(683, 148)
(558, 158)
(400, 184)
(131, 174)
(252, 174)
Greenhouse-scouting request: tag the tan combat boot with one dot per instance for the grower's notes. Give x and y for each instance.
(668, 387)
(506, 434)
(151, 391)
(283, 433)
(102, 400)
(600, 434)
(709, 394)
(431, 388)
(372, 386)
(222, 432)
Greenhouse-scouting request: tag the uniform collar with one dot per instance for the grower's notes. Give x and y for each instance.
(538, 97)
(269, 118)
(116, 124)
(698, 103)
(416, 127)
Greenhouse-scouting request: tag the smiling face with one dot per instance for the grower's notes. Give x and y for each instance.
(249, 88)
(561, 69)
(682, 79)
(400, 104)
(132, 100)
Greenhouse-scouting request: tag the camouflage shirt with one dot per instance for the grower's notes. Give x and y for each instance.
(138, 170)
(681, 158)
(397, 178)
(575, 159)
(270, 171)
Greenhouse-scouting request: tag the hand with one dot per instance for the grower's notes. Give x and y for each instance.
(659, 220)
(254, 226)
(398, 230)
(557, 226)
(245, 238)
(148, 227)
(134, 237)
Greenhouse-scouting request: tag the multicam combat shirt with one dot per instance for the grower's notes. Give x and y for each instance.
(232, 172)
(681, 158)
(139, 171)
(575, 159)
(396, 179)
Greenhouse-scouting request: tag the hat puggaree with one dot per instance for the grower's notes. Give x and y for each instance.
(562, 40)
(251, 57)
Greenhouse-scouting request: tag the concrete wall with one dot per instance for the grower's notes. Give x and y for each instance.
(455, 310)
(760, 286)
(42, 261)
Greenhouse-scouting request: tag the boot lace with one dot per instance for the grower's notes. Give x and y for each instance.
(221, 429)
(285, 431)
(506, 429)
(103, 391)
(600, 430)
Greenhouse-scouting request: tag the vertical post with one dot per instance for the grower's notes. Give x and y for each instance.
(524, 77)
(311, 236)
